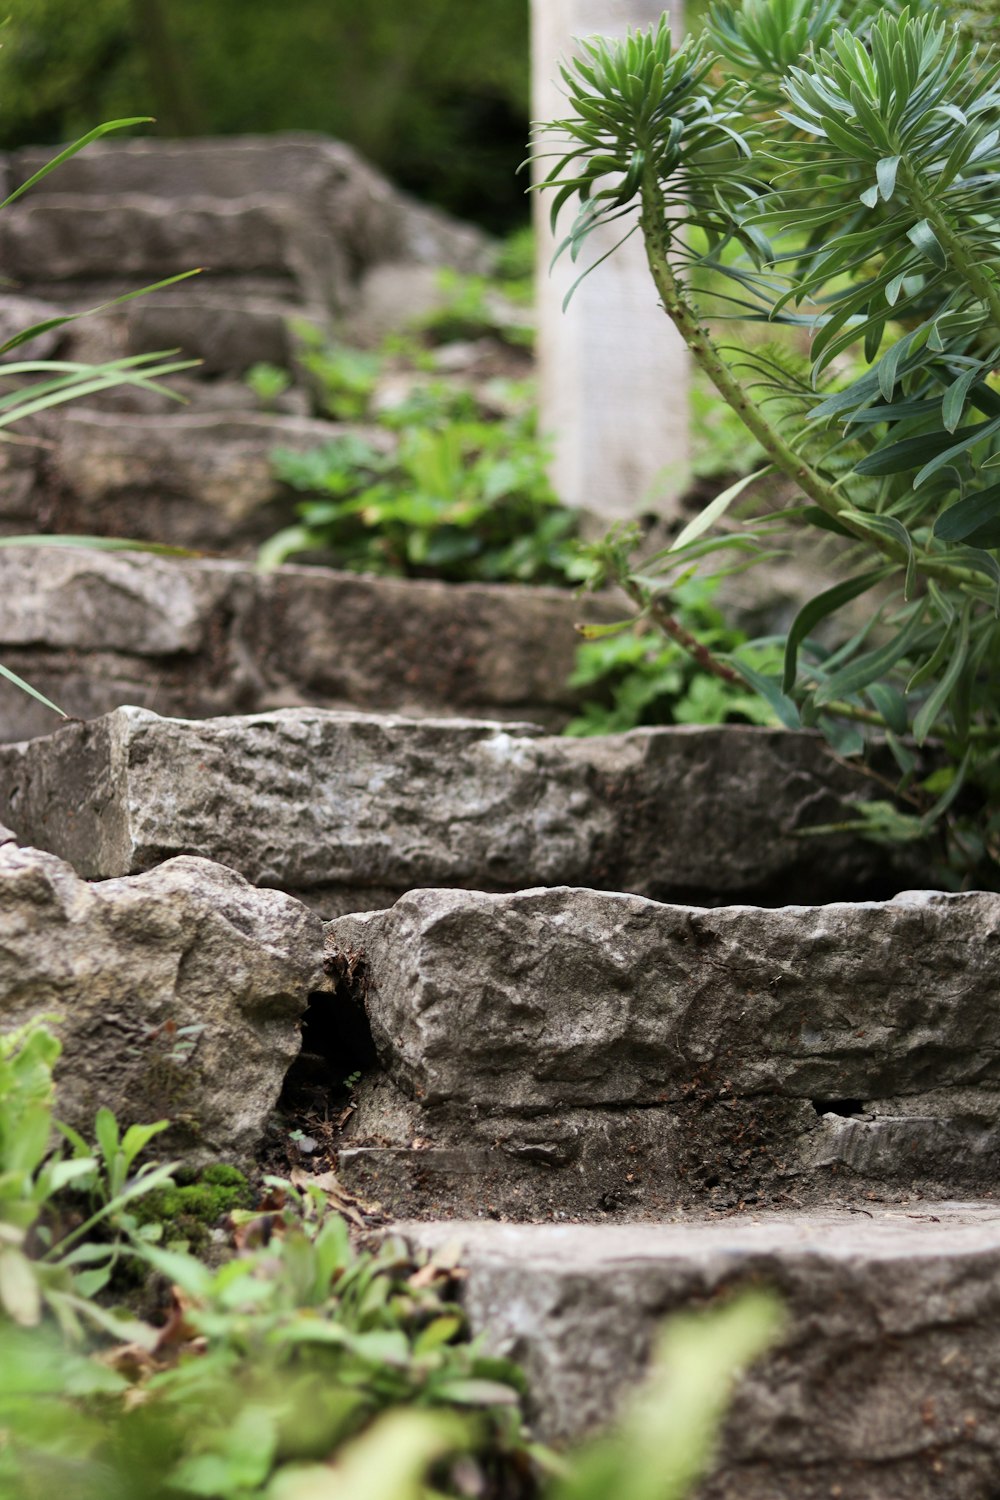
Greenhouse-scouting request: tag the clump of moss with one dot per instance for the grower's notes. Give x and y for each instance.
(191, 1209)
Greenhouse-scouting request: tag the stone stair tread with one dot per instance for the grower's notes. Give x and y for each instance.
(882, 1382)
(203, 479)
(568, 1051)
(204, 637)
(352, 810)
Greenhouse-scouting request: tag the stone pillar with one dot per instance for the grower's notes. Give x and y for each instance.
(612, 369)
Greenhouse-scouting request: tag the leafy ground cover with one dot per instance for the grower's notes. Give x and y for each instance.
(460, 491)
(290, 1361)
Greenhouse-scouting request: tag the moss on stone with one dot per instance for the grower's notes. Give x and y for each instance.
(189, 1210)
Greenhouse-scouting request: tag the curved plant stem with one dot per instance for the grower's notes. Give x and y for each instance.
(675, 630)
(778, 450)
(970, 269)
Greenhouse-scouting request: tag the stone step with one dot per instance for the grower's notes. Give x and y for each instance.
(176, 995)
(567, 1052)
(351, 810)
(202, 480)
(199, 638)
(882, 1383)
(302, 212)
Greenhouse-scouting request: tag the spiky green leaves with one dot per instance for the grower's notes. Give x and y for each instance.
(643, 110)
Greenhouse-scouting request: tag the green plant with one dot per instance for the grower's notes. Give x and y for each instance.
(46, 1261)
(637, 678)
(466, 500)
(343, 378)
(473, 307)
(301, 1369)
(267, 382)
(856, 166)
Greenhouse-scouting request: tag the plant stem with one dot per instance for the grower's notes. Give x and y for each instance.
(780, 452)
(951, 243)
(675, 630)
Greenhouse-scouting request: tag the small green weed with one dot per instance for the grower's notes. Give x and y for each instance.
(343, 379)
(267, 382)
(473, 307)
(464, 501)
(638, 678)
(50, 1258)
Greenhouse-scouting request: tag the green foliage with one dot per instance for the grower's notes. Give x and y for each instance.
(638, 678)
(188, 1210)
(472, 307)
(463, 501)
(435, 93)
(343, 379)
(719, 444)
(855, 165)
(72, 1264)
(515, 263)
(267, 382)
(301, 1368)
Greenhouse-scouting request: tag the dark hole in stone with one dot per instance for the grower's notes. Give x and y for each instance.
(337, 1046)
(845, 1107)
(711, 1181)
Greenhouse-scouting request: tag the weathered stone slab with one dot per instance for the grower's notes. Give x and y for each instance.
(882, 1383)
(354, 809)
(227, 334)
(93, 630)
(563, 997)
(658, 1054)
(59, 237)
(179, 992)
(202, 480)
(294, 209)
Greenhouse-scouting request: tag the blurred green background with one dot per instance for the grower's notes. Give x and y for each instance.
(435, 92)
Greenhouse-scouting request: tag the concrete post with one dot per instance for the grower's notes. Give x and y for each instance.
(612, 369)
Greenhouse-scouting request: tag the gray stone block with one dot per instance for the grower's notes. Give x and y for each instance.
(563, 997)
(613, 1053)
(179, 993)
(93, 630)
(297, 207)
(352, 810)
(881, 1384)
(202, 480)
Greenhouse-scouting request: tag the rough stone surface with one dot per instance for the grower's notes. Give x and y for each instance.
(94, 630)
(882, 1385)
(297, 210)
(352, 810)
(657, 1054)
(227, 334)
(129, 964)
(592, 998)
(201, 480)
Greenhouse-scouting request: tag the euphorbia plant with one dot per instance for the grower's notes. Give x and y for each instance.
(837, 170)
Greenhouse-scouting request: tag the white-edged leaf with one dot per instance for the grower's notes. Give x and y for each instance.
(885, 171)
(923, 238)
(715, 508)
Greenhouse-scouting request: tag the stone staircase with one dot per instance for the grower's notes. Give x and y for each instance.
(616, 1106)
(283, 230)
(601, 1014)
